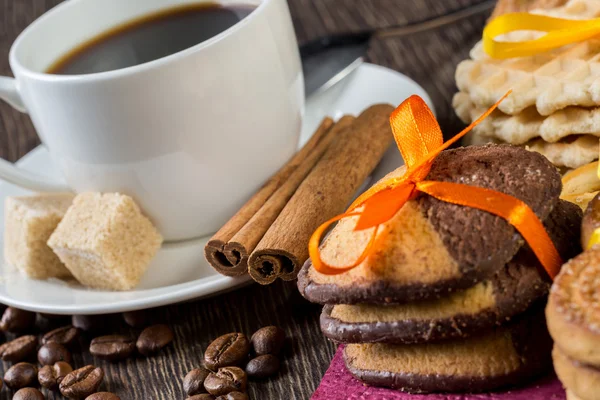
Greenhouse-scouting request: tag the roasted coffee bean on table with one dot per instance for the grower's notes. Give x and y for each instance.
(17, 320)
(137, 319)
(154, 338)
(50, 376)
(226, 380)
(112, 347)
(227, 350)
(82, 382)
(262, 366)
(103, 396)
(66, 335)
(19, 349)
(203, 396)
(28, 394)
(21, 375)
(233, 396)
(90, 323)
(268, 340)
(52, 352)
(193, 383)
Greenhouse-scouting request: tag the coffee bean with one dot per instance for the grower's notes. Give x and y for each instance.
(203, 396)
(154, 338)
(17, 320)
(268, 340)
(193, 383)
(262, 366)
(28, 394)
(51, 353)
(50, 376)
(227, 350)
(103, 396)
(112, 347)
(19, 349)
(51, 316)
(137, 319)
(225, 380)
(21, 375)
(90, 323)
(82, 382)
(66, 335)
(233, 396)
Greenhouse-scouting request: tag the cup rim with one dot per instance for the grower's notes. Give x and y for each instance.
(126, 71)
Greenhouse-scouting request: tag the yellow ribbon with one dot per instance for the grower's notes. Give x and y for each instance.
(560, 32)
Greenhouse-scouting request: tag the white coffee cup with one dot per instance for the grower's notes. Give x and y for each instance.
(190, 136)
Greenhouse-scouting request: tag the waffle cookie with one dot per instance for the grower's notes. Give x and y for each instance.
(507, 355)
(573, 310)
(511, 291)
(424, 250)
(571, 152)
(582, 381)
(551, 81)
(568, 138)
(529, 124)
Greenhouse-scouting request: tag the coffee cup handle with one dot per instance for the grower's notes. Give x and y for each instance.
(8, 171)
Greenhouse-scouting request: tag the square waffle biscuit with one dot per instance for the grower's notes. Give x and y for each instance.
(572, 152)
(529, 124)
(568, 76)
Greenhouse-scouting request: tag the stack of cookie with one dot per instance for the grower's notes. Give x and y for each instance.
(554, 107)
(573, 315)
(451, 300)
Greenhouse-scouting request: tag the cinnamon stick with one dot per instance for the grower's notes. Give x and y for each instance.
(230, 262)
(246, 239)
(324, 193)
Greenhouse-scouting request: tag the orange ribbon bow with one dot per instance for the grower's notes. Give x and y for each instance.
(420, 140)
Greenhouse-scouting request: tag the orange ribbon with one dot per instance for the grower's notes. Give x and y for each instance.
(420, 140)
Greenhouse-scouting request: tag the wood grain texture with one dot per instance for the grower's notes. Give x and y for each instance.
(428, 57)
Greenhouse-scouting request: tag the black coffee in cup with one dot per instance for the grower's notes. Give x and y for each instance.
(150, 37)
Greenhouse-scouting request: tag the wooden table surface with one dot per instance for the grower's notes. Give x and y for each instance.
(428, 57)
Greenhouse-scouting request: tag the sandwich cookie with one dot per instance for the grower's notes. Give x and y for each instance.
(508, 355)
(431, 247)
(511, 291)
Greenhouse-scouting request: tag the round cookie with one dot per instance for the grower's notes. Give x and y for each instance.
(431, 247)
(572, 396)
(582, 381)
(511, 291)
(573, 310)
(506, 356)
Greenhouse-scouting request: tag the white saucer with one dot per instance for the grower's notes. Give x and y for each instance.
(179, 272)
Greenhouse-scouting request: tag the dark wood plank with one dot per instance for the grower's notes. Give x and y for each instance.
(197, 323)
(429, 58)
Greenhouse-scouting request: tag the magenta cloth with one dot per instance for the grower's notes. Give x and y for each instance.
(339, 384)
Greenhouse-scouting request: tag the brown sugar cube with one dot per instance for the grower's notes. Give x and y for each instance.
(105, 241)
(28, 223)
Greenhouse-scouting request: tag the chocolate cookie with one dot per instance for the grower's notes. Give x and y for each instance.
(461, 314)
(508, 355)
(581, 380)
(573, 310)
(431, 247)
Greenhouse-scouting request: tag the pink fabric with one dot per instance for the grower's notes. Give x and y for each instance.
(338, 384)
